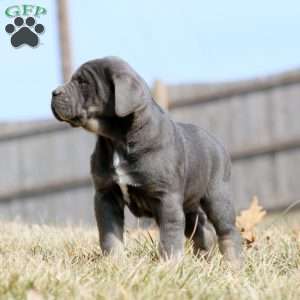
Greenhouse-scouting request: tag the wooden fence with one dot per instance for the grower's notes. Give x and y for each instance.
(44, 174)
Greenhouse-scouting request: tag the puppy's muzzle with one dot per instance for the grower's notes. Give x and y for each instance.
(61, 105)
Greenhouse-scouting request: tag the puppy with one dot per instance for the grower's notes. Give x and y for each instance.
(176, 173)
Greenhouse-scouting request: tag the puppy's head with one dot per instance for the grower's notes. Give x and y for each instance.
(100, 89)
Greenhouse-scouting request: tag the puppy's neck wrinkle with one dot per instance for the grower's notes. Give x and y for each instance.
(147, 128)
(114, 128)
(139, 132)
(140, 121)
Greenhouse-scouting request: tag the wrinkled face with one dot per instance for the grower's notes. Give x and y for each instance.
(99, 89)
(87, 96)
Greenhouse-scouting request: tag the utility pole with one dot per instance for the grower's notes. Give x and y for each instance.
(64, 39)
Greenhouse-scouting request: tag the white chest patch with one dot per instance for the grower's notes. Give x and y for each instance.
(123, 178)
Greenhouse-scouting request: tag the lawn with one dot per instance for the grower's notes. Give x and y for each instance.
(44, 262)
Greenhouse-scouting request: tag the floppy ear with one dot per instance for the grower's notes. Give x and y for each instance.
(129, 94)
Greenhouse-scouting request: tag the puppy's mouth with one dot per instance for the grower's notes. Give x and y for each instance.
(88, 120)
(76, 122)
(90, 123)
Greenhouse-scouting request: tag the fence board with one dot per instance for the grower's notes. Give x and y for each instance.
(254, 177)
(288, 175)
(253, 119)
(63, 207)
(46, 158)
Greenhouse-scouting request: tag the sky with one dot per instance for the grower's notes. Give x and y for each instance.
(171, 40)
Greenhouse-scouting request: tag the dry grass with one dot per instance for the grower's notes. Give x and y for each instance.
(41, 262)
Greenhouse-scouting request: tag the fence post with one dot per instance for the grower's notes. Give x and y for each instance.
(161, 94)
(64, 39)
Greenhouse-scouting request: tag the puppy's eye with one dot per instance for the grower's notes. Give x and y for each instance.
(84, 87)
(82, 82)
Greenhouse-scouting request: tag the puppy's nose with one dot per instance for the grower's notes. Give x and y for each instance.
(57, 92)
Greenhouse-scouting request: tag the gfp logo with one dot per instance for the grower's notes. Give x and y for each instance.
(24, 29)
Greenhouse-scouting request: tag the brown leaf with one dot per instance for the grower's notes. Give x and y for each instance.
(248, 219)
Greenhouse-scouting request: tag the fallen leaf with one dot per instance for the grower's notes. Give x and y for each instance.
(248, 219)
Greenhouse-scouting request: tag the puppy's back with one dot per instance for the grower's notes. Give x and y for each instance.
(206, 157)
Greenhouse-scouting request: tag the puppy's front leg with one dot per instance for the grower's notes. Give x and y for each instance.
(171, 221)
(110, 221)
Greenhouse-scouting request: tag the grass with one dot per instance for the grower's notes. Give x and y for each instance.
(42, 262)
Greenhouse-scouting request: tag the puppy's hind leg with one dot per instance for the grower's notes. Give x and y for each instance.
(220, 211)
(200, 231)
(170, 219)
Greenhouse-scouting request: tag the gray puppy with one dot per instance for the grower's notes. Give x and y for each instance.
(176, 173)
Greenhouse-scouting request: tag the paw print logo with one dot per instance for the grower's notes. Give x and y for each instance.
(24, 33)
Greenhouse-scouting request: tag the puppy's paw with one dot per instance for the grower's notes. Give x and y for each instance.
(173, 256)
(231, 252)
